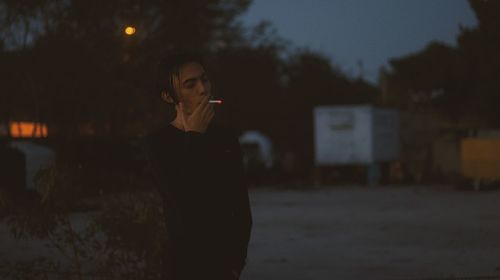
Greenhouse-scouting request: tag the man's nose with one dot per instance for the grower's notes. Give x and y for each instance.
(202, 88)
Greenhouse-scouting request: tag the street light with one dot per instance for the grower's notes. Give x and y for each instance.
(129, 30)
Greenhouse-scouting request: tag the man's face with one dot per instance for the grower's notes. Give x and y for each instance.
(191, 86)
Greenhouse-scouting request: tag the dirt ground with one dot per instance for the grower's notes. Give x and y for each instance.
(374, 233)
(406, 232)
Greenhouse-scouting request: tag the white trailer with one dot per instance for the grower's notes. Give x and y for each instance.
(355, 135)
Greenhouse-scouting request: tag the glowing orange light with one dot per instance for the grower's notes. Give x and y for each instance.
(130, 30)
(28, 130)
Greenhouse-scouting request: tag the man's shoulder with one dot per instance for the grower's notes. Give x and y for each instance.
(225, 130)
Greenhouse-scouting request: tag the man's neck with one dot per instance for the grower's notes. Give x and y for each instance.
(178, 124)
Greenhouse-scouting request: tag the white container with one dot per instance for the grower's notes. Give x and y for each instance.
(265, 148)
(37, 157)
(346, 135)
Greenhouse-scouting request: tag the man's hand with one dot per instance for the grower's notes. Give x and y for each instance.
(200, 118)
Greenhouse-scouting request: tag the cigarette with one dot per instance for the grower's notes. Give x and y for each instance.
(215, 101)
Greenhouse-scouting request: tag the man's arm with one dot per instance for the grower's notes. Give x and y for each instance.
(243, 214)
(244, 222)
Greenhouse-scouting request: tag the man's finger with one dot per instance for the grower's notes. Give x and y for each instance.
(211, 116)
(209, 107)
(183, 116)
(206, 106)
(202, 104)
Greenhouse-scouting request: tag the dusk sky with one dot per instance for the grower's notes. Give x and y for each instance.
(349, 31)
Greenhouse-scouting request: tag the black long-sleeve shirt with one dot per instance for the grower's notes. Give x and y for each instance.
(205, 196)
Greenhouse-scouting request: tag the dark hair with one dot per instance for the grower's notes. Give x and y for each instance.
(169, 67)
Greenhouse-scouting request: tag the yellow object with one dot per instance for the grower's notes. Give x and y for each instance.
(28, 130)
(481, 158)
(130, 30)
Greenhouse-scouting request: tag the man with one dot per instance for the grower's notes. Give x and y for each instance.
(199, 170)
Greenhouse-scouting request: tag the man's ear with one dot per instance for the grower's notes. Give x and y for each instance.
(166, 97)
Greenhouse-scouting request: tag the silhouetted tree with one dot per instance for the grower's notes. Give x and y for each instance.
(249, 81)
(461, 82)
(310, 80)
(79, 67)
(420, 76)
(478, 47)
